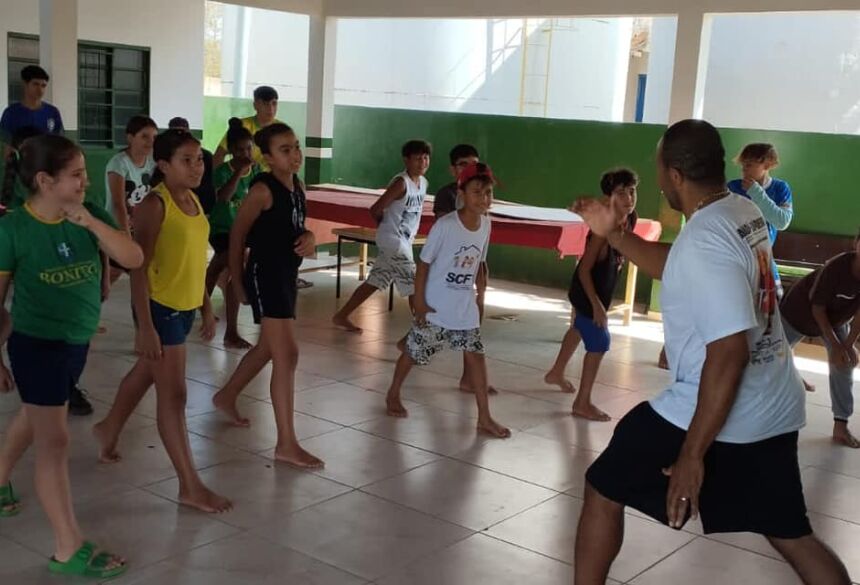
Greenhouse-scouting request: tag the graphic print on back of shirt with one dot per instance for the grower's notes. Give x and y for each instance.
(755, 234)
(461, 276)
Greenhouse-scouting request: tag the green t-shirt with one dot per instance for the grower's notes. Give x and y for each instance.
(223, 213)
(57, 273)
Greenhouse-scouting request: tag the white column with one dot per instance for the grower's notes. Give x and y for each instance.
(240, 59)
(320, 121)
(692, 44)
(58, 55)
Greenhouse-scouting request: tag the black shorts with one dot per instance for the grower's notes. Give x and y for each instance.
(271, 290)
(45, 370)
(220, 242)
(753, 487)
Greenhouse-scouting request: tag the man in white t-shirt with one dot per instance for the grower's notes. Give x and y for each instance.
(447, 305)
(722, 439)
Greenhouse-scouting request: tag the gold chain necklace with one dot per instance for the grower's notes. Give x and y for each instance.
(712, 198)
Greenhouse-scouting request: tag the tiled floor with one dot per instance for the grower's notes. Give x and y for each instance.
(417, 501)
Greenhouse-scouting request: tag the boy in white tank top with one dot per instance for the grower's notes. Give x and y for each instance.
(398, 214)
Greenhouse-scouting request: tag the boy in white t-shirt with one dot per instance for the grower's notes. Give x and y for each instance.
(446, 304)
(398, 214)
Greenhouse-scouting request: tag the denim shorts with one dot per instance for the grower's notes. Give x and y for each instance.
(171, 325)
(45, 369)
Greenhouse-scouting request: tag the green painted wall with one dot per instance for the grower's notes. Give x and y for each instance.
(537, 161)
(218, 110)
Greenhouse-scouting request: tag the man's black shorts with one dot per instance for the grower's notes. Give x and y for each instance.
(753, 487)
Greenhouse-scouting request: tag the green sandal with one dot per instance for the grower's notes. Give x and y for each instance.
(86, 563)
(8, 500)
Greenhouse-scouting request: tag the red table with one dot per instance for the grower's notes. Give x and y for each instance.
(332, 207)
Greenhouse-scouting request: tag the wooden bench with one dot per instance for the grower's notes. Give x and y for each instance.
(362, 236)
(799, 254)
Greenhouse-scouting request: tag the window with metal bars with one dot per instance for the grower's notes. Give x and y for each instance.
(113, 85)
(22, 50)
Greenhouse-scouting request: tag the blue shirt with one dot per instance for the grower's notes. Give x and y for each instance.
(46, 119)
(778, 191)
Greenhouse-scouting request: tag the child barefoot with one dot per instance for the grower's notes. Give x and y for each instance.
(447, 310)
(232, 181)
(271, 222)
(51, 248)
(398, 213)
(591, 294)
(167, 290)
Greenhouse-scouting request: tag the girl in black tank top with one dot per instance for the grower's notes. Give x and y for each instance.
(271, 221)
(274, 234)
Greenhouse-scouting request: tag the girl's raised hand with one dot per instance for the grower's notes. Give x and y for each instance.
(77, 214)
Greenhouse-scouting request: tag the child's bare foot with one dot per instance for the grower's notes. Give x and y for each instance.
(494, 429)
(590, 412)
(465, 387)
(295, 456)
(236, 341)
(842, 436)
(345, 324)
(807, 386)
(556, 379)
(394, 407)
(228, 407)
(205, 500)
(107, 444)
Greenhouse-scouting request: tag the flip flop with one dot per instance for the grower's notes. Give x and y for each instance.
(86, 563)
(7, 500)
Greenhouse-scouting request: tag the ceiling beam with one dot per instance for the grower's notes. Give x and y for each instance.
(564, 8)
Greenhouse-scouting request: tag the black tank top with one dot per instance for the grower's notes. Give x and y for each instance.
(273, 236)
(604, 274)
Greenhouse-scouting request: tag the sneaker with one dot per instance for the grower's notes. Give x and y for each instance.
(302, 283)
(78, 403)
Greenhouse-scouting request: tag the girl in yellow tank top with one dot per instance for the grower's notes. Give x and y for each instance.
(167, 290)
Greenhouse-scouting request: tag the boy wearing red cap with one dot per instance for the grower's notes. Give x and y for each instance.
(446, 305)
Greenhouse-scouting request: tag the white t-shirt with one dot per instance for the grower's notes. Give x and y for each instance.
(454, 254)
(718, 282)
(136, 180)
(401, 218)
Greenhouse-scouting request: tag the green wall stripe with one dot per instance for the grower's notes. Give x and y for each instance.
(316, 142)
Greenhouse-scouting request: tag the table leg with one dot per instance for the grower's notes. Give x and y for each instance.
(630, 292)
(337, 281)
(362, 261)
(391, 297)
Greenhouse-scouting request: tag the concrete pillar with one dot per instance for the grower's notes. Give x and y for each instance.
(320, 121)
(58, 55)
(692, 45)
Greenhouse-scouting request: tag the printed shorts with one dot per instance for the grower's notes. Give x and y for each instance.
(393, 267)
(422, 343)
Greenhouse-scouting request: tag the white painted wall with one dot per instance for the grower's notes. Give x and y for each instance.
(464, 65)
(172, 30)
(796, 71)
(277, 53)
